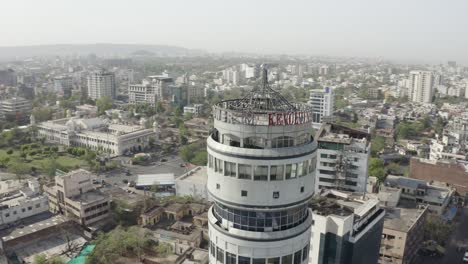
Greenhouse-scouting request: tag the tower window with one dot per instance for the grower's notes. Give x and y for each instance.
(302, 189)
(275, 195)
(243, 193)
(218, 186)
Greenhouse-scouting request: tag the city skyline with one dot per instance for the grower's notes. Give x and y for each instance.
(423, 31)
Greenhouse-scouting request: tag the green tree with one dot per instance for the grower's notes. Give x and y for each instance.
(376, 169)
(159, 107)
(19, 169)
(104, 103)
(200, 158)
(40, 259)
(377, 145)
(437, 229)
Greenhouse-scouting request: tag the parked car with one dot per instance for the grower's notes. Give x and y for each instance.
(465, 257)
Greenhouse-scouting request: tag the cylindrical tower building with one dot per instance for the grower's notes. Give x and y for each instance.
(261, 165)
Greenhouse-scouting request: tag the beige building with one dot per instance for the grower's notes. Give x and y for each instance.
(96, 134)
(402, 235)
(74, 196)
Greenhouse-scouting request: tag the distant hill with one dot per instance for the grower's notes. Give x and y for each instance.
(19, 52)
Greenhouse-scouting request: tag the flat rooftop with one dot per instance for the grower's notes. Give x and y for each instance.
(89, 197)
(401, 219)
(197, 175)
(31, 225)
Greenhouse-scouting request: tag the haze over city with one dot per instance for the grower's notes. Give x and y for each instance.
(405, 31)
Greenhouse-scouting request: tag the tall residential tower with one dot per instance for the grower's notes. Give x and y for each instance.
(101, 84)
(421, 86)
(261, 165)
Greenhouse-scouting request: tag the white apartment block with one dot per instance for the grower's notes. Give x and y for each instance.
(342, 158)
(421, 87)
(96, 134)
(322, 103)
(154, 88)
(101, 84)
(74, 196)
(22, 203)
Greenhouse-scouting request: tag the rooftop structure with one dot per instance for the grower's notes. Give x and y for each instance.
(260, 172)
(353, 224)
(436, 195)
(193, 183)
(21, 204)
(402, 234)
(342, 158)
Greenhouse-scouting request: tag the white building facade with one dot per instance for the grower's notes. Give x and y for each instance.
(342, 159)
(421, 87)
(96, 134)
(322, 103)
(261, 164)
(101, 84)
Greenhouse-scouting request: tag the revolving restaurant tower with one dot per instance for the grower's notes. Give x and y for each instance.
(261, 163)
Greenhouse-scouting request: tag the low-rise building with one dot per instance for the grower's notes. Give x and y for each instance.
(96, 134)
(402, 235)
(435, 194)
(193, 183)
(195, 109)
(74, 196)
(346, 229)
(21, 204)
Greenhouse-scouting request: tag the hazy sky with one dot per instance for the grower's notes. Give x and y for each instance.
(425, 30)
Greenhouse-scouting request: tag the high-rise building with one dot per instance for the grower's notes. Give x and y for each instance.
(322, 103)
(63, 85)
(250, 71)
(261, 163)
(421, 86)
(342, 158)
(101, 84)
(347, 229)
(7, 77)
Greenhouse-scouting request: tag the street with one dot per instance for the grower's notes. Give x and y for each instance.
(116, 177)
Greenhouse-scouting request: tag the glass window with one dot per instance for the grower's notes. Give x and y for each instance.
(305, 252)
(210, 161)
(220, 255)
(218, 165)
(230, 169)
(259, 261)
(244, 260)
(275, 195)
(230, 258)
(213, 249)
(261, 173)
(312, 164)
(273, 261)
(300, 169)
(322, 155)
(276, 172)
(245, 171)
(243, 193)
(286, 259)
(297, 257)
(288, 171)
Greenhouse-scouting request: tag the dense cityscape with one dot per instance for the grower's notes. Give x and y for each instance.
(266, 133)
